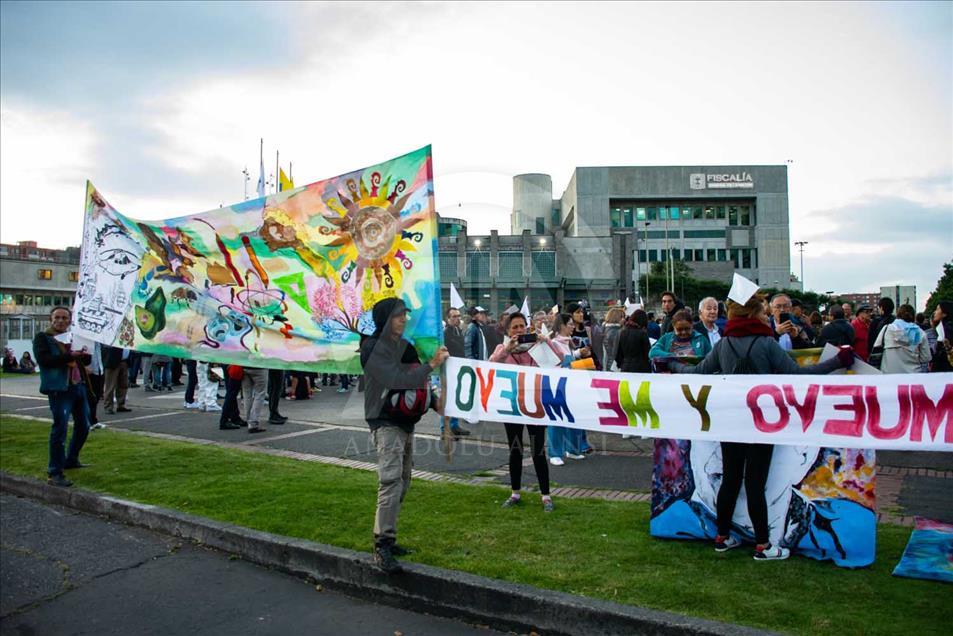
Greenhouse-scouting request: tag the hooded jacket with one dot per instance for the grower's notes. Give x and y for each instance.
(838, 333)
(389, 364)
(905, 348)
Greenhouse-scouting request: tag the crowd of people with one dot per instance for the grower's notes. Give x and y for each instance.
(749, 337)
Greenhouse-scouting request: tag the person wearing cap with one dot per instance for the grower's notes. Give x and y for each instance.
(748, 346)
(475, 341)
(396, 396)
(861, 325)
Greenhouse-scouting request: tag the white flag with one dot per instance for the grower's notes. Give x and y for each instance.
(261, 172)
(525, 308)
(742, 289)
(455, 300)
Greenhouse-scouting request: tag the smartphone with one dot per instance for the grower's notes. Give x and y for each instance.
(526, 338)
(786, 317)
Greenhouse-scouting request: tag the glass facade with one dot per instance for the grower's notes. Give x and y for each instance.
(478, 265)
(511, 265)
(736, 213)
(544, 265)
(448, 265)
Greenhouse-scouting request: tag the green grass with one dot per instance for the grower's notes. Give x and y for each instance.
(593, 548)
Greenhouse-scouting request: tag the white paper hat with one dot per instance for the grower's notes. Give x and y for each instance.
(742, 289)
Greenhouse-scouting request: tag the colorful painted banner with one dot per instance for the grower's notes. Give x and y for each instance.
(821, 501)
(908, 412)
(286, 281)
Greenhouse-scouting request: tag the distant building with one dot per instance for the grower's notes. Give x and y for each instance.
(612, 223)
(33, 280)
(900, 294)
(861, 299)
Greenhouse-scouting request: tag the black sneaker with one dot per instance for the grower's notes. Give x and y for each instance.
(59, 480)
(460, 432)
(281, 419)
(400, 551)
(384, 559)
(71, 465)
(240, 422)
(228, 426)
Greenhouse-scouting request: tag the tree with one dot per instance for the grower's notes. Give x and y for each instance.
(944, 288)
(689, 290)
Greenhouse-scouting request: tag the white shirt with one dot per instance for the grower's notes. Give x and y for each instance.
(713, 335)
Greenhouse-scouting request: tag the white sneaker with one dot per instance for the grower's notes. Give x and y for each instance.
(191, 405)
(97, 425)
(342, 390)
(556, 461)
(772, 553)
(212, 408)
(571, 456)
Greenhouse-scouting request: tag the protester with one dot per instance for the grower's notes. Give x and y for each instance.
(942, 320)
(191, 382)
(276, 387)
(116, 380)
(905, 345)
(707, 324)
(788, 334)
(861, 325)
(749, 347)
(254, 390)
(838, 331)
(652, 327)
(816, 321)
(540, 319)
(395, 398)
(135, 364)
(231, 418)
(581, 341)
(510, 353)
(633, 353)
(453, 340)
(562, 441)
(26, 363)
(797, 311)
(147, 380)
(475, 342)
(63, 380)
(683, 341)
(610, 337)
(162, 373)
(97, 378)
(848, 311)
(10, 364)
(886, 307)
(670, 306)
(207, 380)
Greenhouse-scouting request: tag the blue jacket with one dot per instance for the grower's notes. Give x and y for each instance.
(663, 346)
(54, 364)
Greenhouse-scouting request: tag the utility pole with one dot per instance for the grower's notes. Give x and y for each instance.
(800, 245)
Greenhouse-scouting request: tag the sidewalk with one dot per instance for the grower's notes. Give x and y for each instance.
(330, 428)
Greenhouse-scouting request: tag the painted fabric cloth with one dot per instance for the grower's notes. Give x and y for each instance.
(929, 553)
(286, 281)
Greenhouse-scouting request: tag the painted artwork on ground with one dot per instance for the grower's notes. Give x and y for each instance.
(286, 281)
(821, 501)
(929, 553)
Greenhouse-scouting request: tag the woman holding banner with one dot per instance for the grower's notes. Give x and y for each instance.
(561, 441)
(515, 352)
(683, 341)
(750, 348)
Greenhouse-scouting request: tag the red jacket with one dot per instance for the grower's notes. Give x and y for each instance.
(860, 338)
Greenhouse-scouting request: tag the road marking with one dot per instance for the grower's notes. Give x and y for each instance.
(141, 417)
(32, 408)
(23, 397)
(285, 436)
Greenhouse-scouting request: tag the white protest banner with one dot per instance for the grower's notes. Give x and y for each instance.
(902, 412)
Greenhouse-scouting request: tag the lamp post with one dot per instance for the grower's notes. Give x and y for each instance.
(800, 245)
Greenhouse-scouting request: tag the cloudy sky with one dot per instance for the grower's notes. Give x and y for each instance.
(162, 106)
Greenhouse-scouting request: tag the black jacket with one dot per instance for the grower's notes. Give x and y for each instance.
(453, 339)
(667, 321)
(112, 357)
(875, 326)
(838, 333)
(632, 355)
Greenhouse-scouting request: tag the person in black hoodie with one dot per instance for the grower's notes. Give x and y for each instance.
(886, 318)
(671, 305)
(943, 353)
(838, 331)
(632, 355)
(396, 396)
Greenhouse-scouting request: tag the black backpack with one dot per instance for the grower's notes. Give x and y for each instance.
(743, 365)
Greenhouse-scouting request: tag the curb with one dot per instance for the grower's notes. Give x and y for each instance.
(421, 588)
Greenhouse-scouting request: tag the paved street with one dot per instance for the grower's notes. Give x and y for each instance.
(64, 572)
(331, 425)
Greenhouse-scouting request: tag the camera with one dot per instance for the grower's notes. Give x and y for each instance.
(526, 338)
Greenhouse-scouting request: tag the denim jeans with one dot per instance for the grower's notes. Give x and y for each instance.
(162, 375)
(558, 441)
(192, 382)
(454, 423)
(576, 441)
(62, 404)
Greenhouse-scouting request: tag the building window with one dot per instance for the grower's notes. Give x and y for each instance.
(44, 274)
(732, 215)
(651, 214)
(699, 255)
(544, 265)
(640, 214)
(704, 234)
(615, 217)
(540, 225)
(744, 215)
(746, 259)
(74, 277)
(627, 217)
(698, 213)
(663, 213)
(448, 264)
(711, 255)
(722, 256)
(478, 266)
(660, 234)
(675, 212)
(735, 257)
(511, 265)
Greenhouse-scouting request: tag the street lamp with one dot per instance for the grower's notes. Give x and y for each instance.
(800, 245)
(542, 241)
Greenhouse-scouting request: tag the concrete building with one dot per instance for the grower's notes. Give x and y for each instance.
(900, 294)
(612, 223)
(33, 280)
(861, 299)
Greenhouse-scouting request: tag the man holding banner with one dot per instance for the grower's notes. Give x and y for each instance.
(396, 396)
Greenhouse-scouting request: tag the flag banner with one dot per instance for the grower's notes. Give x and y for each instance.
(821, 501)
(902, 412)
(286, 281)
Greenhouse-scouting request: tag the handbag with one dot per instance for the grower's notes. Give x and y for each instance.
(877, 353)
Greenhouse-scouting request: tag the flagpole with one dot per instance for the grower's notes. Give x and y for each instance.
(277, 174)
(291, 177)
